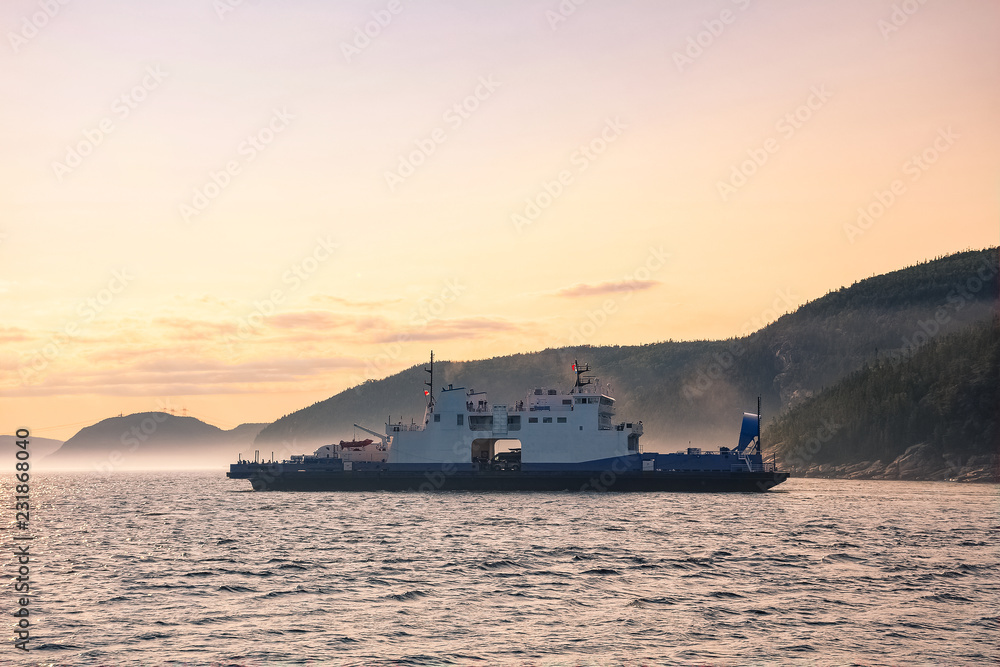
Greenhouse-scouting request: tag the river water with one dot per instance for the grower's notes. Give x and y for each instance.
(195, 569)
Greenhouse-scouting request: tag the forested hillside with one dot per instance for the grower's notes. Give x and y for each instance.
(941, 399)
(696, 391)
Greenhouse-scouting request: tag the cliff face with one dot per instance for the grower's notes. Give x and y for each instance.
(921, 462)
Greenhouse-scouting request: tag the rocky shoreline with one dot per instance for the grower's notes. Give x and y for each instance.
(918, 463)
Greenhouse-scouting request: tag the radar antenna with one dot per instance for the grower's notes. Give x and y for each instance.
(580, 380)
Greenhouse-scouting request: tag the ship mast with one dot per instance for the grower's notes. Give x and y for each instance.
(760, 442)
(759, 447)
(430, 383)
(580, 370)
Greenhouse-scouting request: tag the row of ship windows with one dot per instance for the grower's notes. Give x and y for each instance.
(514, 420)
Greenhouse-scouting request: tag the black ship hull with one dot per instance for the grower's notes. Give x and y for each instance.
(283, 477)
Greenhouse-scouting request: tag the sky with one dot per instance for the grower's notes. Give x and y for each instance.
(235, 208)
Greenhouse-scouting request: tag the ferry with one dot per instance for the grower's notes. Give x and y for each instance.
(551, 441)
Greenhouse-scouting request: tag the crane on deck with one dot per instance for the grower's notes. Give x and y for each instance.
(383, 438)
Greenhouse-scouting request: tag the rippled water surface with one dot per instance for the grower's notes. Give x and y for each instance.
(197, 569)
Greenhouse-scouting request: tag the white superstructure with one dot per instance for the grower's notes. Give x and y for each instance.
(553, 427)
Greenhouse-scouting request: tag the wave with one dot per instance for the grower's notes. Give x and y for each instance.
(403, 597)
(946, 597)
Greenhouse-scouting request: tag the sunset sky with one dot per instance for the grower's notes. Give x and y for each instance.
(240, 208)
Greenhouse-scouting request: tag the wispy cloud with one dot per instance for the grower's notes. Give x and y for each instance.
(452, 329)
(186, 376)
(14, 335)
(613, 287)
(187, 328)
(330, 300)
(320, 321)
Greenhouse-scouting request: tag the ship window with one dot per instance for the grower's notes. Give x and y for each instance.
(480, 422)
(437, 418)
(532, 420)
(552, 392)
(561, 420)
(461, 420)
(567, 401)
(546, 420)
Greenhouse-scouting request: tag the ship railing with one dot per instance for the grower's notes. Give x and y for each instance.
(395, 428)
(631, 427)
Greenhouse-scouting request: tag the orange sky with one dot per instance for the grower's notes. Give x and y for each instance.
(241, 212)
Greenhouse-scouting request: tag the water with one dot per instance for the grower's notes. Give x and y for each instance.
(196, 569)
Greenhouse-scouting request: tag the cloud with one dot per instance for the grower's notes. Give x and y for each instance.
(175, 377)
(327, 299)
(14, 335)
(464, 328)
(613, 287)
(186, 328)
(323, 321)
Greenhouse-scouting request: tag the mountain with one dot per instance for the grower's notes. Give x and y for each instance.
(932, 414)
(153, 440)
(38, 449)
(694, 392)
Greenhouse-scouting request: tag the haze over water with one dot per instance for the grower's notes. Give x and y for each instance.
(191, 568)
